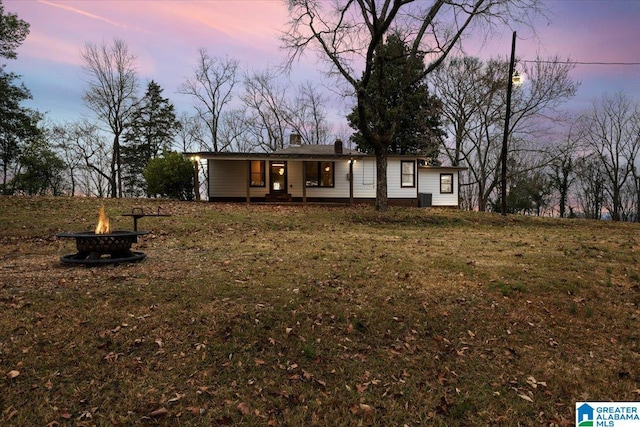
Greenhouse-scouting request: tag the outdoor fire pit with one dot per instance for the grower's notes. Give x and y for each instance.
(107, 248)
(103, 246)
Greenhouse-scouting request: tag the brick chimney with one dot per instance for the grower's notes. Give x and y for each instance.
(295, 139)
(337, 146)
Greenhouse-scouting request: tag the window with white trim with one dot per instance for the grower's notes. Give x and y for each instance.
(407, 174)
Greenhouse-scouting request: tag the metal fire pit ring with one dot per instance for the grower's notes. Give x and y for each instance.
(71, 259)
(93, 247)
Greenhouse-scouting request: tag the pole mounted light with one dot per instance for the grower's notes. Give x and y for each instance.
(505, 138)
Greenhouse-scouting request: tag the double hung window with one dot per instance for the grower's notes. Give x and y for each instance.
(407, 174)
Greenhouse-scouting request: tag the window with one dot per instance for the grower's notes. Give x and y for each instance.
(319, 174)
(446, 183)
(257, 173)
(407, 174)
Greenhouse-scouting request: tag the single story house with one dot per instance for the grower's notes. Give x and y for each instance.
(326, 174)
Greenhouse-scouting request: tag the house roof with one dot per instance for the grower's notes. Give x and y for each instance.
(309, 152)
(304, 151)
(317, 149)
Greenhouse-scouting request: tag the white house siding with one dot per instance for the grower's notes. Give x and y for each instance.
(364, 178)
(228, 178)
(294, 178)
(429, 182)
(394, 184)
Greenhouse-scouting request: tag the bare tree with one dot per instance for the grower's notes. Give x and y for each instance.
(113, 83)
(590, 182)
(348, 35)
(636, 193)
(307, 115)
(211, 87)
(236, 131)
(562, 173)
(189, 136)
(456, 83)
(473, 94)
(61, 141)
(611, 130)
(87, 157)
(267, 114)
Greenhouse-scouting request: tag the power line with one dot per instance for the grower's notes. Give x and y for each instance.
(579, 62)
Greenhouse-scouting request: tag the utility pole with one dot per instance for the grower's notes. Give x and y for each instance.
(505, 137)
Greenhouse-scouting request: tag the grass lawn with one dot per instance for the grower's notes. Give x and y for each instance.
(306, 315)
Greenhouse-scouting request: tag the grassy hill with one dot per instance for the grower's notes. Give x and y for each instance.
(308, 315)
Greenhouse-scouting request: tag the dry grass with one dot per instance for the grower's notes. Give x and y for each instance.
(292, 315)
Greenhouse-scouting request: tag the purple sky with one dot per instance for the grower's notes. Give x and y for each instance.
(165, 36)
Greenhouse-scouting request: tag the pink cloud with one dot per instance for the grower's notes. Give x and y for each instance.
(165, 36)
(69, 8)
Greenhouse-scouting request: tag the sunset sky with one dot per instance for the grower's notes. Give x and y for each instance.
(166, 35)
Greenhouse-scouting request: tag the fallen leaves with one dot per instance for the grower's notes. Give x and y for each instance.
(244, 408)
(361, 409)
(9, 413)
(335, 311)
(525, 397)
(528, 394)
(160, 412)
(535, 383)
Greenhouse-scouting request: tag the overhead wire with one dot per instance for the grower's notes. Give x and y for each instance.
(577, 62)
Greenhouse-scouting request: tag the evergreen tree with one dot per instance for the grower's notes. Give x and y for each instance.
(41, 171)
(399, 103)
(151, 131)
(18, 125)
(13, 31)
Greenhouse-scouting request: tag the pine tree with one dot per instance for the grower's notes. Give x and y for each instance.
(399, 103)
(151, 131)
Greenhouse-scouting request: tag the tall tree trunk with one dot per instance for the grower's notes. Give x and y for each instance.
(382, 203)
(118, 166)
(113, 176)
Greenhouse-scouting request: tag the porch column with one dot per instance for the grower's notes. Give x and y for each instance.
(350, 182)
(304, 182)
(248, 181)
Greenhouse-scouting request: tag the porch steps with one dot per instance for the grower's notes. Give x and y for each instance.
(278, 197)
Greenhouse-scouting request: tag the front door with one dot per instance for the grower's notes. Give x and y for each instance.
(278, 173)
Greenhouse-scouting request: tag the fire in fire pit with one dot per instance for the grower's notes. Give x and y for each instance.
(103, 227)
(103, 246)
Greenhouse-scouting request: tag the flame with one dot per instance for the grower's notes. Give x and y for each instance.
(103, 223)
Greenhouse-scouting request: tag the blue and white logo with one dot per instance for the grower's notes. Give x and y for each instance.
(607, 414)
(584, 415)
